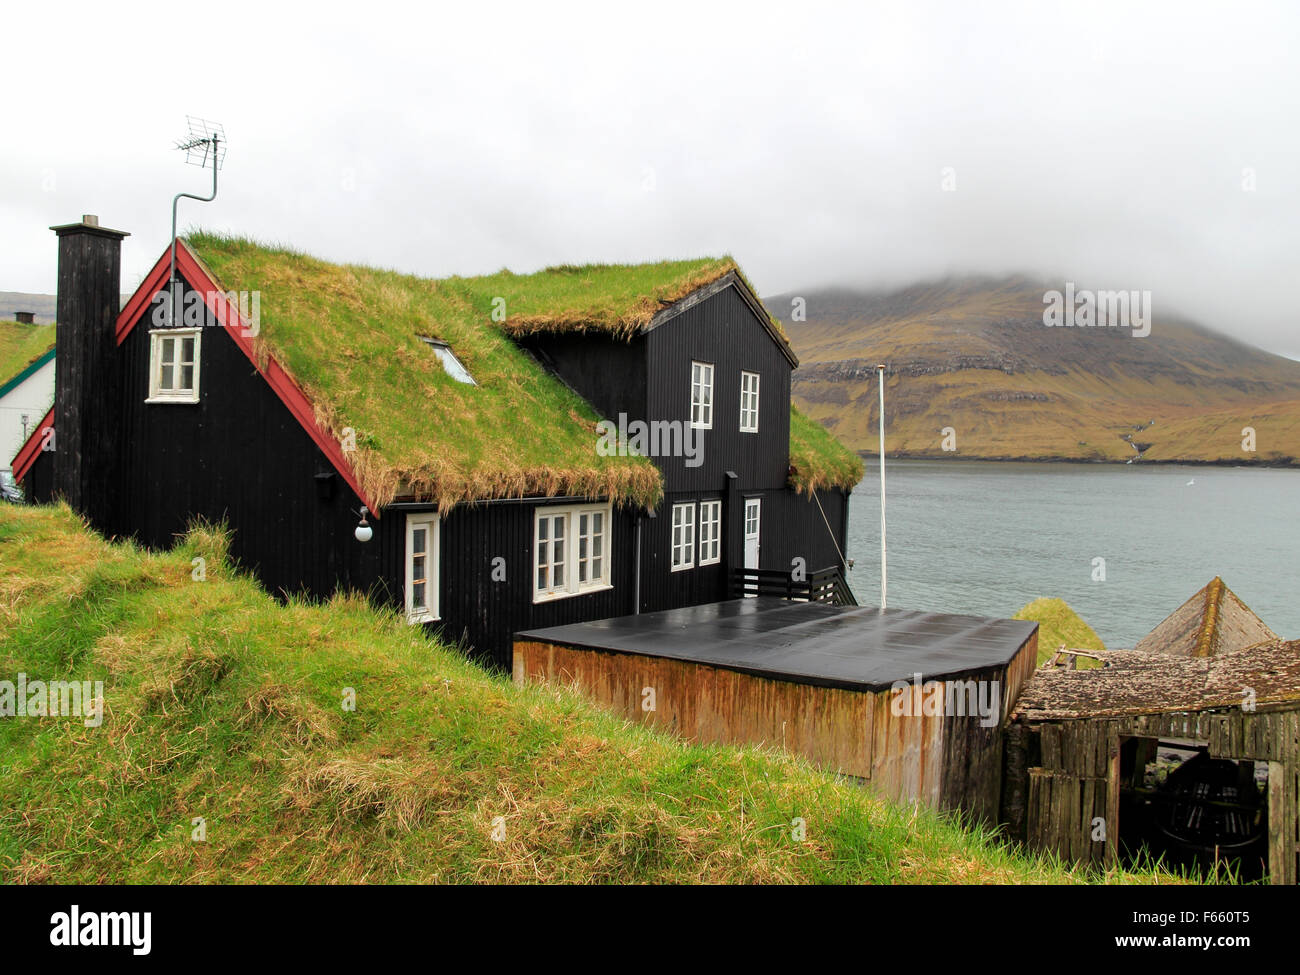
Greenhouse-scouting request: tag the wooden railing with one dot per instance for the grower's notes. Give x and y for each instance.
(821, 586)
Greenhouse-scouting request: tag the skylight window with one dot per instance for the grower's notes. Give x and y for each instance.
(450, 364)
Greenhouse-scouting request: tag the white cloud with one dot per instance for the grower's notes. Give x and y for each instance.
(1101, 141)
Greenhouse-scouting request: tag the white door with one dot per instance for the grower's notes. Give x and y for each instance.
(752, 519)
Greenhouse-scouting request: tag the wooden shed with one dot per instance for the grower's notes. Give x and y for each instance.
(1196, 759)
(912, 703)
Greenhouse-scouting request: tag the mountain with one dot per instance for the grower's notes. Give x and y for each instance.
(974, 354)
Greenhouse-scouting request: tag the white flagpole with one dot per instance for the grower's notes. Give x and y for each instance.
(883, 549)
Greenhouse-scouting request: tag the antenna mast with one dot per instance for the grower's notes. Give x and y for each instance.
(881, 369)
(206, 140)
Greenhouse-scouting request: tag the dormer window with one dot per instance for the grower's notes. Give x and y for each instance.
(174, 365)
(450, 364)
(702, 395)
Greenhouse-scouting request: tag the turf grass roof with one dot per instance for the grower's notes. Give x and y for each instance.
(353, 338)
(22, 345)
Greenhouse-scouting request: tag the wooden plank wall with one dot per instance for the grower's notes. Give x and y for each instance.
(1051, 804)
(708, 704)
(946, 761)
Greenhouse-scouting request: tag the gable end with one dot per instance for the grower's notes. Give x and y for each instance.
(729, 280)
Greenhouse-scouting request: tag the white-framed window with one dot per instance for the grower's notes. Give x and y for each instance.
(710, 532)
(683, 536)
(591, 556)
(702, 395)
(174, 365)
(749, 402)
(422, 567)
(571, 551)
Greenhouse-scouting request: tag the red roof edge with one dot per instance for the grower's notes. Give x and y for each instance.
(31, 449)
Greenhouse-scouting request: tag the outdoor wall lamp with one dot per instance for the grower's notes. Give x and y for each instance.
(364, 532)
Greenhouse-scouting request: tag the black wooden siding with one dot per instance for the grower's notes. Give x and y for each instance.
(609, 373)
(722, 330)
(240, 456)
(661, 588)
(791, 525)
(38, 485)
(649, 379)
(487, 614)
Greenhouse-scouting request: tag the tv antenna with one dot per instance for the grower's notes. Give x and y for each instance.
(206, 143)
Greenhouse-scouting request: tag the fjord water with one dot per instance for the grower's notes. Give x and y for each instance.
(986, 538)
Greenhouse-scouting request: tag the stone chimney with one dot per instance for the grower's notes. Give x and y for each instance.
(86, 376)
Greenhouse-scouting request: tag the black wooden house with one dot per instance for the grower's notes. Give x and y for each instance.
(466, 422)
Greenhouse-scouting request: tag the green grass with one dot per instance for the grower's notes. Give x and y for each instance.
(350, 336)
(1058, 624)
(21, 345)
(223, 704)
(817, 458)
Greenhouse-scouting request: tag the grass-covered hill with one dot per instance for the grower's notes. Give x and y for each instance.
(1059, 625)
(222, 705)
(974, 354)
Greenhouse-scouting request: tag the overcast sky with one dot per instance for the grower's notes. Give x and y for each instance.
(1107, 143)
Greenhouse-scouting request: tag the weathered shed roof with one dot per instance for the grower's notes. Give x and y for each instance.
(1144, 682)
(1213, 621)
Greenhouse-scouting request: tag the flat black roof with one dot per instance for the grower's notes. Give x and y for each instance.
(854, 647)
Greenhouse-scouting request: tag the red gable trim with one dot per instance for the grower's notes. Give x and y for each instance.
(155, 282)
(29, 451)
(189, 268)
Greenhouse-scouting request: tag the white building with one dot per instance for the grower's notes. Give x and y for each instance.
(25, 397)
